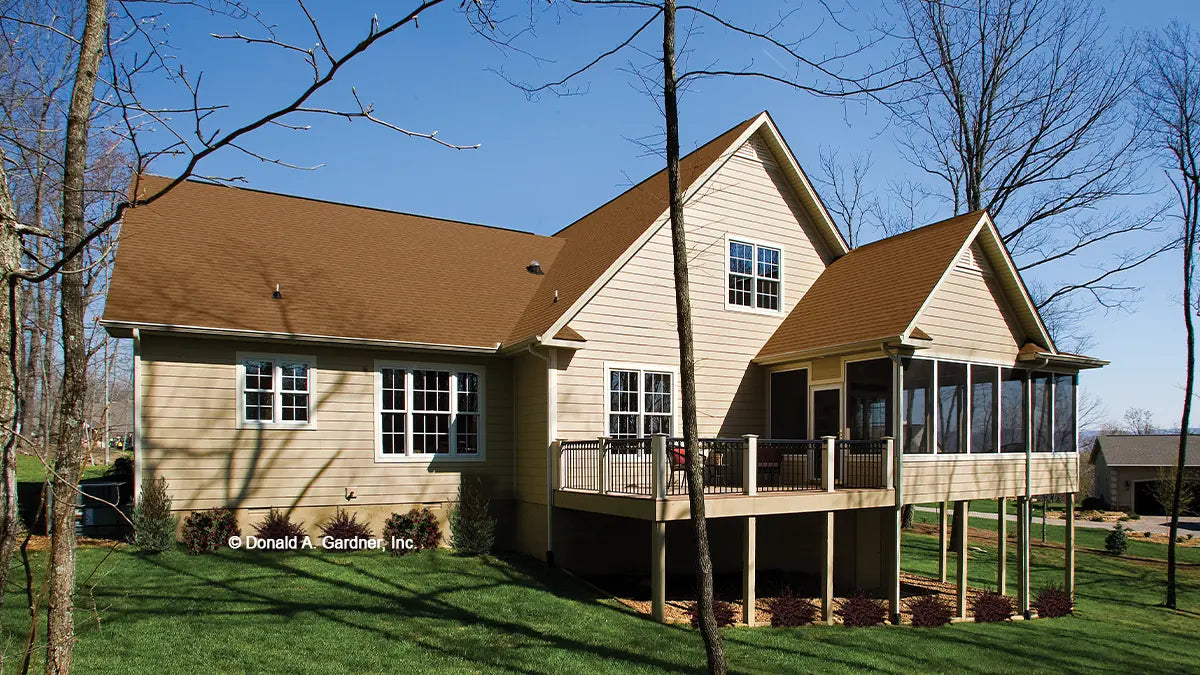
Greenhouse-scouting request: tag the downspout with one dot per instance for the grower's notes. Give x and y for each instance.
(551, 361)
(137, 414)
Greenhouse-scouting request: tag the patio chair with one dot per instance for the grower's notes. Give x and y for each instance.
(770, 460)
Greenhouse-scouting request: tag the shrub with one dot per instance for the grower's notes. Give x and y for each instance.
(1147, 535)
(1117, 541)
(472, 528)
(930, 611)
(1124, 519)
(1093, 504)
(990, 607)
(789, 611)
(723, 612)
(1052, 602)
(419, 526)
(278, 525)
(1133, 516)
(153, 523)
(861, 610)
(207, 531)
(344, 527)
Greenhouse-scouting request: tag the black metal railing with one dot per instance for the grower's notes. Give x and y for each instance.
(789, 465)
(723, 466)
(859, 464)
(629, 466)
(579, 464)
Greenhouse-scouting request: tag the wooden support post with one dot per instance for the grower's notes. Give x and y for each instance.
(960, 515)
(750, 464)
(1023, 533)
(827, 569)
(942, 508)
(1002, 546)
(1069, 545)
(749, 565)
(658, 570)
(894, 572)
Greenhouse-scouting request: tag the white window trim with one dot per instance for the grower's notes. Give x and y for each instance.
(643, 368)
(276, 396)
(426, 458)
(753, 308)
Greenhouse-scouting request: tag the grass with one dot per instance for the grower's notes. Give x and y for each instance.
(31, 470)
(316, 612)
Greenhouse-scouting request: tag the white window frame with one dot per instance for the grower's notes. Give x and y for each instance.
(409, 456)
(756, 244)
(276, 390)
(642, 369)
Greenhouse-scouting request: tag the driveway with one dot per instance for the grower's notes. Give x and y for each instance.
(1155, 524)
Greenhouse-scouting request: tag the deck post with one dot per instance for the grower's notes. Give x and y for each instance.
(942, 508)
(749, 569)
(556, 467)
(897, 529)
(658, 570)
(1002, 546)
(659, 475)
(960, 515)
(827, 463)
(827, 569)
(1023, 568)
(750, 464)
(888, 463)
(602, 466)
(1069, 546)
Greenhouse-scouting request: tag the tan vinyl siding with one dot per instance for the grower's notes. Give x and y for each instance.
(532, 439)
(968, 317)
(632, 319)
(986, 477)
(190, 434)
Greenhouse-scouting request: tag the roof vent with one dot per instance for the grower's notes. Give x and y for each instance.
(277, 294)
(534, 267)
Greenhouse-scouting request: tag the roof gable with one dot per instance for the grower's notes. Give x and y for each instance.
(1146, 449)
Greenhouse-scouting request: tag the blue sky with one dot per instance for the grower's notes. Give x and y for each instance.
(544, 162)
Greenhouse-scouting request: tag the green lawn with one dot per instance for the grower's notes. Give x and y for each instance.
(435, 611)
(31, 470)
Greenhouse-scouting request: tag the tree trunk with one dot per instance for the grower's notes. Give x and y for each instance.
(687, 363)
(11, 341)
(1191, 205)
(69, 450)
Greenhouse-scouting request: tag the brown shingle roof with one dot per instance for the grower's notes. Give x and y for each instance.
(209, 256)
(872, 292)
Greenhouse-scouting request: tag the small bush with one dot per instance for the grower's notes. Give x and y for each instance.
(472, 528)
(278, 525)
(344, 528)
(860, 611)
(1117, 541)
(419, 526)
(1133, 516)
(989, 607)
(789, 610)
(207, 531)
(153, 523)
(723, 612)
(1093, 504)
(1123, 519)
(930, 611)
(1052, 602)
(1147, 535)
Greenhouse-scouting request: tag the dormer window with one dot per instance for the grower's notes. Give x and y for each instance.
(755, 276)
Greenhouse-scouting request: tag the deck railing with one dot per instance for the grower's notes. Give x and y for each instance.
(656, 467)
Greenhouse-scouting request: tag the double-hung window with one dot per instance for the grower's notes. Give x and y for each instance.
(427, 410)
(755, 276)
(641, 402)
(275, 391)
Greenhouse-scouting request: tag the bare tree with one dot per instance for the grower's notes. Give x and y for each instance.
(1170, 91)
(1139, 421)
(846, 193)
(1026, 113)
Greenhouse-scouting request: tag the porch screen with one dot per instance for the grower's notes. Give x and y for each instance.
(917, 406)
(1064, 413)
(1012, 410)
(869, 399)
(789, 404)
(984, 385)
(1042, 407)
(952, 407)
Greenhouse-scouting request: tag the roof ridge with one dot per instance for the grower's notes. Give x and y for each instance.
(377, 209)
(923, 228)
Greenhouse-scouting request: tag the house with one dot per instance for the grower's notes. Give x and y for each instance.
(296, 353)
(1129, 468)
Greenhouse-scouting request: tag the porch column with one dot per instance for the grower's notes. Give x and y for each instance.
(960, 515)
(827, 569)
(658, 570)
(1023, 569)
(749, 551)
(942, 508)
(894, 572)
(1069, 545)
(1002, 546)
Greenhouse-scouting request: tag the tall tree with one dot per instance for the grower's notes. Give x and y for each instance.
(1170, 91)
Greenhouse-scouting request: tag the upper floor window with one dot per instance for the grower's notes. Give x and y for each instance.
(755, 276)
(274, 390)
(425, 410)
(641, 402)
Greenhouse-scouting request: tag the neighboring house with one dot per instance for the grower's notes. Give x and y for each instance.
(1130, 466)
(296, 353)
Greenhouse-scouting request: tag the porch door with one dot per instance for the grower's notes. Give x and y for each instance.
(827, 412)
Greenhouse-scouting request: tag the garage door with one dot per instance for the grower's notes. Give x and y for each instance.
(1145, 498)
